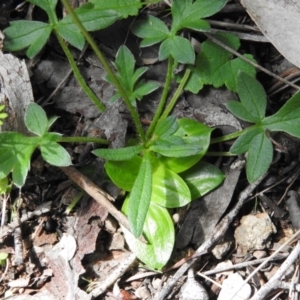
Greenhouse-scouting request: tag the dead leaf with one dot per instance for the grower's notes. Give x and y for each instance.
(279, 22)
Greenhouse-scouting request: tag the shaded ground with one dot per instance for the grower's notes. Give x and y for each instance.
(55, 255)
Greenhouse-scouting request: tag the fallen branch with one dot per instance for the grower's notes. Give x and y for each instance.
(96, 193)
(275, 279)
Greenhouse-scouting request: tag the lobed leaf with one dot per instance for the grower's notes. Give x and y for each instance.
(152, 30)
(242, 144)
(22, 34)
(287, 119)
(214, 65)
(118, 154)
(179, 48)
(127, 76)
(252, 96)
(92, 18)
(140, 196)
(202, 178)
(71, 33)
(189, 11)
(15, 153)
(160, 235)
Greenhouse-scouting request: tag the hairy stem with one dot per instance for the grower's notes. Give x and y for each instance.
(107, 68)
(163, 99)
(77, 74)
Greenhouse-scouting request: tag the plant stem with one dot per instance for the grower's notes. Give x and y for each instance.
(176, 95)
(163, 99)
(77, 74)
(82, 139)
(102, 59)
(230, 136)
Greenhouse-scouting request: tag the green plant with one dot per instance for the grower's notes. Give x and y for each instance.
(2, 114)
(94, 15)
(255, 140)
(16, 149)
(163, 168)
(3, 258)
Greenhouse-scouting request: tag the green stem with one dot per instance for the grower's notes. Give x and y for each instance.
(212, 153)
(102, 59)
(163, 99)
(77, 74)
(82, 139)
(176, 95)
(230, 136)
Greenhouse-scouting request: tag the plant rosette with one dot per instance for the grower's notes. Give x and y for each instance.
(166, 174)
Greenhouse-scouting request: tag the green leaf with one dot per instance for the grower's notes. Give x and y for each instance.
(168, 189)
(15, 153)
(3, 256)
(138, 73)
(199, 25)
(192, 132)
(174, 150)
(237, 108)
(214, 65)
(47, 5)
(179, 48)
(23, 34)
(252, 96)
(166, 127)
(202, 178)
(118, 154)
(128, 77)
(232, 68)
(139, 198)
(188, 12)
(51, 122)
(124, 8)
(287, 119)
(152, 30)
(92, 18)
(71, 33)
(159, 232)
(51, 137)
(123, 173)
(36, 119)
(260, 156)
(142, 89)
(55, 154)
(242, 144)
(3, 185)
